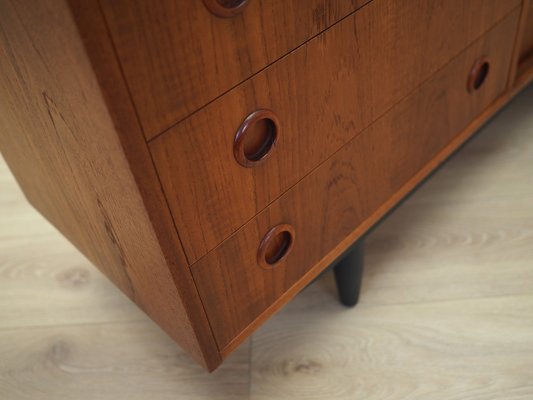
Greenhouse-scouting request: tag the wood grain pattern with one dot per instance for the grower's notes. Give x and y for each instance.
(95, 37)
(367, 73)
(352, 185)
(472, 349)
(109, 361)
(179, 56)
(445, 313)
(61, 143)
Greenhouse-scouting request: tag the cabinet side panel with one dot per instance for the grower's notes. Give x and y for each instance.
(61, 144)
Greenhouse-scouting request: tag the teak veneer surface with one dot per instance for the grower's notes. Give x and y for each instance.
(323, 94)
(177, 56)
(60, 140)
(332, 201)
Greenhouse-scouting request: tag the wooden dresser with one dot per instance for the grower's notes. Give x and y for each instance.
(212, 157)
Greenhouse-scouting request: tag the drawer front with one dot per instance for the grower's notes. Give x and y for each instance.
(321, 95)
(177, 55)
(339, 198)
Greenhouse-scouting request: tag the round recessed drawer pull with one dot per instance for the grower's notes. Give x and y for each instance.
(478, 74)
(255, 138)
(225, 8)
(275, 246)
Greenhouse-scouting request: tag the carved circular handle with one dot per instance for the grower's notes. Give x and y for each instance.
(225, 8)
(478, 74)
(255, 138)
(275, 246)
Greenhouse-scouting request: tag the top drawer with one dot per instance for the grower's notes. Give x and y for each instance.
(322, 95)
(177, 55)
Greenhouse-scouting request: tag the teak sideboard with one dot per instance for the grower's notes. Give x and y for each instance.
(212, 157)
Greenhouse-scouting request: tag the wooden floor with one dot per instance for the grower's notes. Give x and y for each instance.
(446, 309)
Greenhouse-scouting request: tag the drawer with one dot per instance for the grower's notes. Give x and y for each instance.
(177, 55)
(336, 202)
(320, 96)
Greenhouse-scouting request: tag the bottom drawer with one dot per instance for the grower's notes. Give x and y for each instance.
(240, 279)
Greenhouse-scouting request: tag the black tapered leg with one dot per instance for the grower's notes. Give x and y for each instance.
(349, 274)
